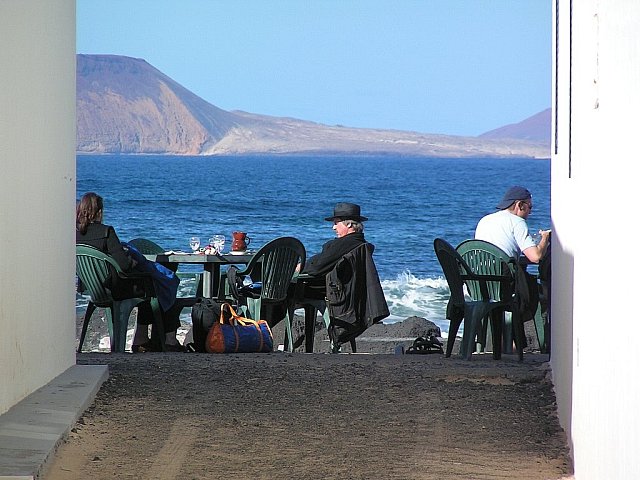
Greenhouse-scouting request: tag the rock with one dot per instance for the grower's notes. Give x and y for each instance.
(380, 338)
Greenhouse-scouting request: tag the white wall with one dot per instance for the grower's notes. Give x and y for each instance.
(595, 323)
(37, 194)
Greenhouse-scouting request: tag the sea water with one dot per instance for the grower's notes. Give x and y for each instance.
(409, 202)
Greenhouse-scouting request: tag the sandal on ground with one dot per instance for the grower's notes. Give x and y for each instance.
(423, 345)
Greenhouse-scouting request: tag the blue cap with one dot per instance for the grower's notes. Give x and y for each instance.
(514, 194)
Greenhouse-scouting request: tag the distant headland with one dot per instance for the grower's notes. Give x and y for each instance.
(126, 106)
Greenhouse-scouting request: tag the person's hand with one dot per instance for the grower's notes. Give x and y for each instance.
(298, 268)
(544, 240)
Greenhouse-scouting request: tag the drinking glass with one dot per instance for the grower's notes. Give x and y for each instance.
(218, 243)
(194, 243)
(212, 245)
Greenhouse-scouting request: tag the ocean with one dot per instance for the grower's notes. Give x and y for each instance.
(409, 202)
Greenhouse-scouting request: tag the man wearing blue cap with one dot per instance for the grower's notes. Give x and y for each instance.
(507, 228)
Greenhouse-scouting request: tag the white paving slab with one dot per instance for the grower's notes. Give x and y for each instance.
(31, 430)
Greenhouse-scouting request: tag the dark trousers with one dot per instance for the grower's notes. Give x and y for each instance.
(170, 318)
(545, 289)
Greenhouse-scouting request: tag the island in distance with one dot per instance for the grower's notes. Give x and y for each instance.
(126, 106)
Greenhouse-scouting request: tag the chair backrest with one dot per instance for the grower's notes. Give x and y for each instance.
(146, 247)
(493, 264)
(453, 267)
(93, 268)
(274, 265)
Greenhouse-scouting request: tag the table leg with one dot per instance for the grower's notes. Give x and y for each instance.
(211, 280)
(206, 283)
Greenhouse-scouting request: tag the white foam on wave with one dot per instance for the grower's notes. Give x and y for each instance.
(187, 286)
(408, 295)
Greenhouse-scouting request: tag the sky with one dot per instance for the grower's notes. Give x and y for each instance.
(455, 67)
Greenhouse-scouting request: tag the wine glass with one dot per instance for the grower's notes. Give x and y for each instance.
(194, 243)
(218, 243)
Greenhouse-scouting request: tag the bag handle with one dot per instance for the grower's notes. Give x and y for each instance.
(237, 318)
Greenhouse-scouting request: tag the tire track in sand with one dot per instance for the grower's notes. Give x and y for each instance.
(169, 460)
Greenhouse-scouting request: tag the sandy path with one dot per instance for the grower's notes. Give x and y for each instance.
(313, 416)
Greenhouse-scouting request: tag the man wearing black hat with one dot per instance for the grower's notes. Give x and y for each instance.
(346, 279)
(347, 223)
(507, 228)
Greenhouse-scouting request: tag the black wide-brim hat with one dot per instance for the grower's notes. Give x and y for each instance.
(346, 211)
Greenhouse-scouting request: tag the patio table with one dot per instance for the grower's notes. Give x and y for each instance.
(211, 286)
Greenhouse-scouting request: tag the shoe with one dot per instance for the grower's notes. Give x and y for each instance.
(174, 347)
(143, 347)
(426, 345)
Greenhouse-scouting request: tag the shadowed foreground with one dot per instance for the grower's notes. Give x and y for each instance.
(317, 416)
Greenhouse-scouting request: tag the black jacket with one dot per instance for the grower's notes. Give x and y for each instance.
(332, 251)
(354, 295)
(104, 238)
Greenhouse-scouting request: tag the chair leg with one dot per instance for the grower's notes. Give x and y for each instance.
(121, 310)
(119, 329)
(110, 324)
(87, 316)
(454, 326)
(507, 333)
(310, 314)
(254, 307)
(467, 347)
(198, 282)
(353, 345)
(547, 334)
(538, 322)
(519, 335)
(497, 318)
(327, 322)
(157, 332)
(288, 335)
(481, 343)
(473, 315)
(541, 318)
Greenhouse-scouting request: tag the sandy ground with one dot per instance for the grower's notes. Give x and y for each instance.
(318, 416)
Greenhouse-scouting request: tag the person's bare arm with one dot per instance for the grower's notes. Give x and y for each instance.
(535, 253)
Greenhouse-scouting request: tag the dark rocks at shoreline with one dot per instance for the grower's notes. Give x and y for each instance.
(381, 338)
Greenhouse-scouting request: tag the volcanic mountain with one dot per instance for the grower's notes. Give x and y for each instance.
(124, 105)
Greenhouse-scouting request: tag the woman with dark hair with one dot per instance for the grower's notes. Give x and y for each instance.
(91, 231)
